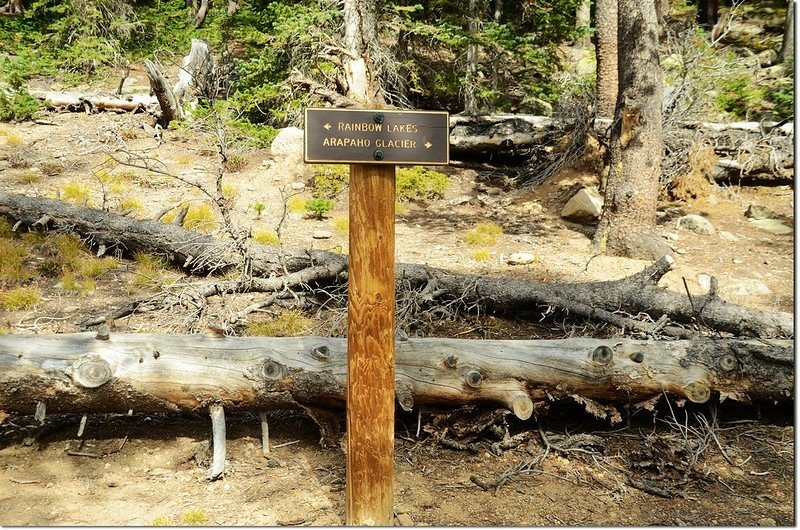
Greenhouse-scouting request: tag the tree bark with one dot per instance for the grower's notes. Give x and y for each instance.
(583, 22)
(196, 71)
(471, 76)
(361, 43)
(605, 23)
(786, 55)
(201, 254)
(13, 7)
(81, 373)
(631, 198)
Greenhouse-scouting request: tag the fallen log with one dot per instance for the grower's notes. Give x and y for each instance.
(746, 150)
(95, 102)
(87, 373)
(201, 254)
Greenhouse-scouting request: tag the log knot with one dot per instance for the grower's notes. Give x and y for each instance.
(91, 371)
(474, 378)
(602, 355)
(271, 370)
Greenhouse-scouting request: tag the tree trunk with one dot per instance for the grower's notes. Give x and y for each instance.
(707, 13)
(201, 254)
(170, 109)
(361, 42)
(605, 23)
(471, 77)
(86, 373)
(13, 7)
(497, 18)
(200, 12)
(196, 71)
(786, 55)
(629, 214)
(583, 22)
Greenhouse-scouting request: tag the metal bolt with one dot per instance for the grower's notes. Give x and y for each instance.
(378, 118)
(378, 154)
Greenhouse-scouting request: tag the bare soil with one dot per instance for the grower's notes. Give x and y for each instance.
(668, 467)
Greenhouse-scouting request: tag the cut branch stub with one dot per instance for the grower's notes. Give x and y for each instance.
(321, 353)
(272, 370)
(91, 371)
(728, 362)
(697, 392)
(602, 355)
(404, 396)
(521, 405)
(451, 361)
(473, 378)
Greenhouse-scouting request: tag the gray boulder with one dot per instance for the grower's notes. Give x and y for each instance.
(696, 223)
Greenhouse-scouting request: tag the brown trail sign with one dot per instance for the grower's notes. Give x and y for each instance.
(372, 141)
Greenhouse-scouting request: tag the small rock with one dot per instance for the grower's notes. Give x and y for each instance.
(767, 57)
(696, 223)
(586, 205)
(267, 163)
(298, 186)
(493, 191)
(773, 226)
(322, 234)
(737, 261)
(757, 211)
(767, 521)
(403, 519)
(704, 281)
(521, 258)
(727, 236)
(458, 201)
(746, 288)
(679, 251)
(71, 308)
(670, 236)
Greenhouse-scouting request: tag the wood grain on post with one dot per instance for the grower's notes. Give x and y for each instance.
(370, 344)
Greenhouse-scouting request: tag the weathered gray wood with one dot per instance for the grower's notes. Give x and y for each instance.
(170, 107)
(162, 373)
(82, 102)
(218, 441)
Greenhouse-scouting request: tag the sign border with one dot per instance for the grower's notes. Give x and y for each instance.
(383, 162)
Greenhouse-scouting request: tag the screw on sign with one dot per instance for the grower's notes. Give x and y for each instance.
(372, 142)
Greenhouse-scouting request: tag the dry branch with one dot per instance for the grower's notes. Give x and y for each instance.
(202, 254)
(78, 373)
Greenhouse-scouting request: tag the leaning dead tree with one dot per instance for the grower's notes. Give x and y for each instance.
(277, 269)
(93, 373)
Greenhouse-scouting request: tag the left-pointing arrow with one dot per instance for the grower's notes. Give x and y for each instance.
(327, 126)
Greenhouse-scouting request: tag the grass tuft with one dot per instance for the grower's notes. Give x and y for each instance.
(266, 237)
(288, 324)
(483, 234)
(20, 298)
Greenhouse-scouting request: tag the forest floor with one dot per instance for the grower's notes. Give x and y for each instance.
(729, 464)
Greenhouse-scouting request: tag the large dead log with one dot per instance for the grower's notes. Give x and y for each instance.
(746, 150)
(84, 372)
(203, 254)
(170, 107)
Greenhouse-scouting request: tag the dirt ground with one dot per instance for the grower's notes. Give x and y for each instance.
(730, 465)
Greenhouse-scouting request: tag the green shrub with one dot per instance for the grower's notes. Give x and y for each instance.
(319, 207)
(782, 96)
(416, 182)
(330, 179)
(18, 105)
(739, 95)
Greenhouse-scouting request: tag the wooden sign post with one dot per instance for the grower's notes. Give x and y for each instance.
(372, 142)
